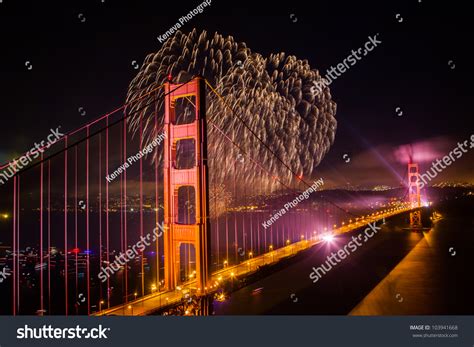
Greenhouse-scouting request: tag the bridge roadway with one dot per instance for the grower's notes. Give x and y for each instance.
(435, 277)
(152, 302)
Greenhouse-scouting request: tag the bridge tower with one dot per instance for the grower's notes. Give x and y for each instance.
(414, 195)
(196, 177)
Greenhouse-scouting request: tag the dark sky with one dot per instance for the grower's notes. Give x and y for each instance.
(89, 64)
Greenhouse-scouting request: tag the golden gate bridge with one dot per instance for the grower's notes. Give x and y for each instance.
(72, 219)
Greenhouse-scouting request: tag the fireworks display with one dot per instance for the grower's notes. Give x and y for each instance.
(273, 95)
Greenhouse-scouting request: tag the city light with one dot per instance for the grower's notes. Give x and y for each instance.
(220, 297)
(75, 250)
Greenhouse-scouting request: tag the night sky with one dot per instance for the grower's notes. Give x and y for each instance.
(88, 64)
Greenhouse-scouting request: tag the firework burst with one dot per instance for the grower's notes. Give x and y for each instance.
(272, 94)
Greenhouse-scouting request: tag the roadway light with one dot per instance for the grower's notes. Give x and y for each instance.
(328, 237)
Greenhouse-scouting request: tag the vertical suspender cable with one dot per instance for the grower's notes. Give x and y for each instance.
(49, 237)
(87, 227)
(107, 205)
(41, 236)
(65, 229)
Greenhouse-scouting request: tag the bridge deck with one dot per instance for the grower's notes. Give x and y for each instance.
(153, 302)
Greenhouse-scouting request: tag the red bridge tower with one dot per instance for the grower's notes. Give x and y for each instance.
(196, 177)
(414, 195)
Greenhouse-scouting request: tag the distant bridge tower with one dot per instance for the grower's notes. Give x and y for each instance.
(196, 177)
(414, 195)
